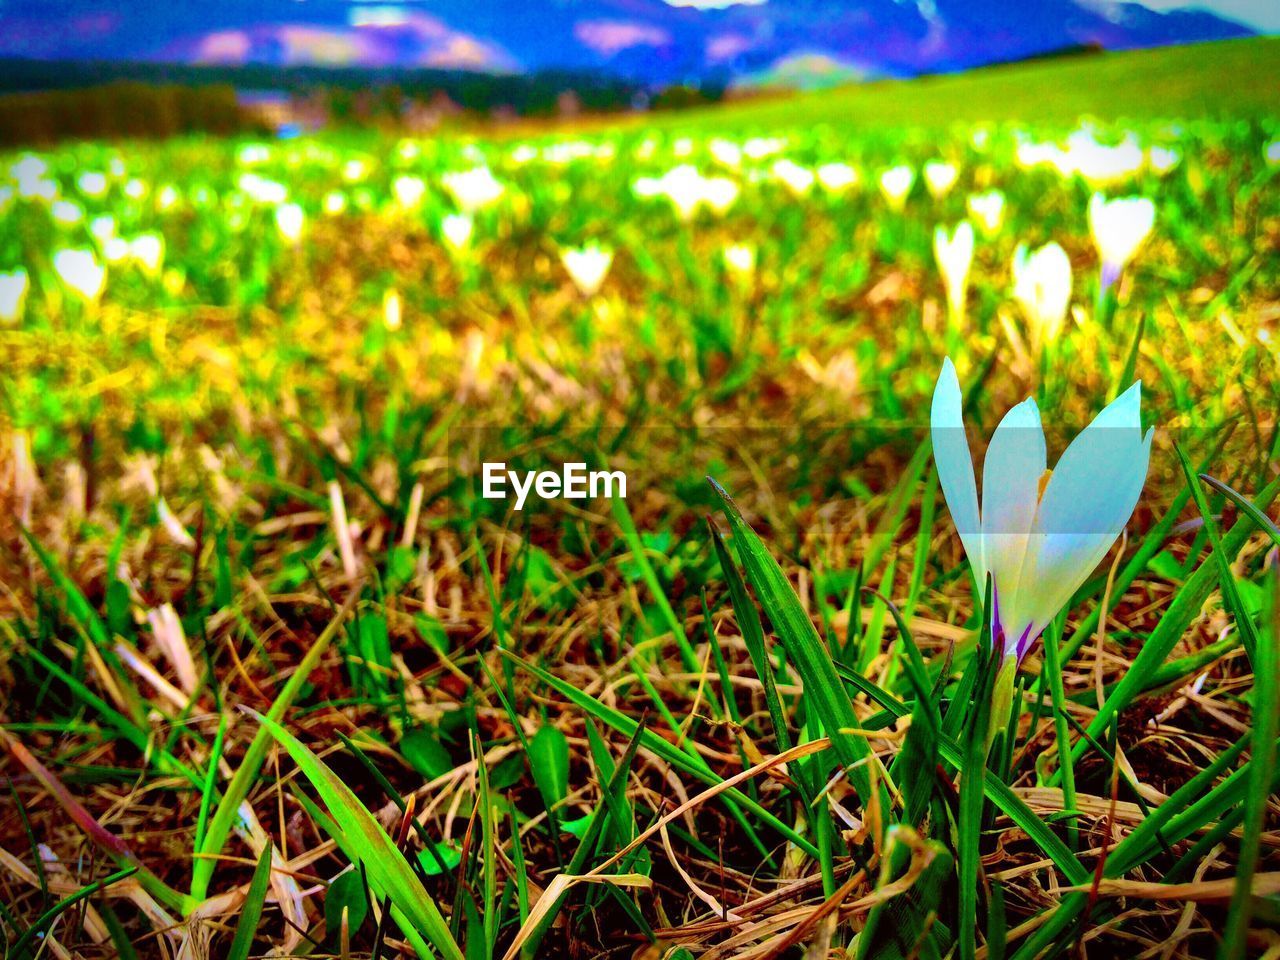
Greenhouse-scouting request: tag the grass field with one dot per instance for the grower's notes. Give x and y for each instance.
(277, 678)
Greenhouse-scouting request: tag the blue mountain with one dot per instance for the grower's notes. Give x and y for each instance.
(651, 41)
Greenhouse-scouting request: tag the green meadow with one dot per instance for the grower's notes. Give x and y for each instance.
(279, 678)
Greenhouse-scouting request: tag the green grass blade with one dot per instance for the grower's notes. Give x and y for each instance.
(748, 618)
(251, 912)
(1186, 606)
(228, 809)
(389, 873)
(1246, 506)
(823, 690)
(1266, 726)
(20, 948)
(694, 766)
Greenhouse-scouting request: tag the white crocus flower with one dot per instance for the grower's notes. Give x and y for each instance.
(797, 179)
(687, 189)
(408, 191)
(102, 228)
(456, 228)
(92, 183)
(80, 272)
(1098, 163)
(725, 152)
(289, 221)
(147, 251)
(1042, 285)
(954, 253)
(335, 202)
(115, 249)
(392, 310)
(1119, 227)
(836, 177)
(719, 193)
(473, 189)
(940, 177)
(1163, 159)
(740, 259)
(13, 295)
(66, 213)
(987, 209)
(895, 185)
(587, 267)
(1039, 533)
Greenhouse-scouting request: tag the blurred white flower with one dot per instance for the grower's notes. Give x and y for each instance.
(115, 249)
(1040, 533)
(757, 148)
(80, 272)
(147, 251)
(940, 177)
(135, 189)
(837, 177)
(335, 202)
(252, 154)
(740, 259)
(687, 189)
(1029, 154)
(408, 150)
(13, 295)
(725, 152)
(987, 209)
(797, 179)
(392, 315)
(1099, 163)
(1272, 153)
(270, 192)
(166, 197)
(1042, 285)
(473, 189)
(456, 228)
(954, 253)
(1119, 226)
(92, 183)
(587, 266)
(896, 184)
(27, 168)
(30, 173)
(66, 213)
(1163, 159)
(719, 193)
(408, 191)
(102, 228)
(290, 221)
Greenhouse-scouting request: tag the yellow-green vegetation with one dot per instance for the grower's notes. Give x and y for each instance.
(276, 677)
(1232, 78)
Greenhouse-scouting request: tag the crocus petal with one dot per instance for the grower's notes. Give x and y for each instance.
(1011, 475)
(955, 465)
(1087, 503)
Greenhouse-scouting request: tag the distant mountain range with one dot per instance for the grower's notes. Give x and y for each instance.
(651, 42)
